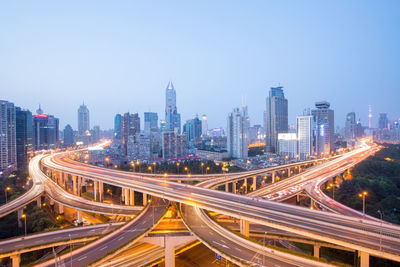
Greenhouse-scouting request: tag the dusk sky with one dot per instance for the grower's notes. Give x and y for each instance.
(118, 56)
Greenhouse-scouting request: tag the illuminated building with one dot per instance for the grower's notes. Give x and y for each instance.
(193, 130)
(8, 150)
(172, 117)
(350, 126)
(237, 133)
(305, 135)
(204, 125)
(83, 120)
(150, 122)
(45, 129)
(117, 127)
(130, 126)
(68, 136)
(287, 144)
(324, 128)
(173, 145)
(24, 136)
(276, 117)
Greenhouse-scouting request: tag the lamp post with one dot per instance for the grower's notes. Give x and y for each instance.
(154, 167)
(202, 168)
(363, 195)
(207, 169)
(333, 190)
(5, 192)
(177, 167)
(23, 216)
(150, 169)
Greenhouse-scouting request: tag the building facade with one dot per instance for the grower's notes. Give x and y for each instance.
(287, 144)
(305, 136)
(204, 125)
(150, 122)
(45, 130)
(350, 126)
(237, 133)
(117, 127)
(68, 136)
(83, 120)
(8, 149)
(173, 145)
(193, 131)
(172, 117)
(324, 128)
(24, 136)
(130, 126)
(276, 117)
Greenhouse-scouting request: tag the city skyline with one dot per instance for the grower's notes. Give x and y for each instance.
(215, 56)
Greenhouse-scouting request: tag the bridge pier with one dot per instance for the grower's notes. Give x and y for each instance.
(273, 177)
(60, 208)
(65, 179)
(254, 183)
(316, 251)
(126, 194)
(131, 197)
(101, 191)
(245, 185)
(244, 228)
(95, 189)
(74, 189)
(16, 260)
(234, 187)
(288, 172)
(79, 186)
(79, 216)
(364, 259)
(19, 217)
(144, 199)
(227, 187)
(39, 201)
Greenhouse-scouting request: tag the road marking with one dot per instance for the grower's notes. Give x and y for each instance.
(120, 238)
(103, 248)
(84, 257)
(222, 245)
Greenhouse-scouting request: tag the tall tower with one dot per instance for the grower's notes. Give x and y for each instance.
(237, 133)
(370, 116)
(324, 128)
(172, 117)
(83, 120)
(276, 117)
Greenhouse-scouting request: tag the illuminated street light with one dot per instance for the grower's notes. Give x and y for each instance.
(177, 167)
(5, 192)
(363, 195)
(207, 169)
(23, 216)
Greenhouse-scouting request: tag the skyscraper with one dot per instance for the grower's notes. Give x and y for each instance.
(237, 133)
(173, 145)
(193, 130)
(130, 127)
(117, 127)
(276, 117)
(150, 122)
(24, 136)
(383, 121)
(305, 136)
(8, 150)
(350, 126)
(45, 129)
(204, 125)
(324, 128)
(83, 120)
(172, 117)
(68, 135)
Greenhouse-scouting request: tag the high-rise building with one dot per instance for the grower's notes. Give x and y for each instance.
(237, 133)
(24, 136)
(130, 127)
(139, 146)
(163, 126)
(350, 126)
(83, 120)
(68, 136)
(95, 132)
(324, 128)
(193, 130)
(8, 149)
(287, 144)
(172, 117)
(173, 145)
(150, 122)
(45, 130)
(117, 127)
(204, 125)
(383, 121)
(305, 135)
(276, 117)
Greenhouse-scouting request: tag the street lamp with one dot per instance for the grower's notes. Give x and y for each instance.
(363, 195)
(150, 169)
(202, 168)
(186, 170)
(154, 164)
(177, 167)
(207, 169)
(5, 192)
(23, 216)
(333, 190)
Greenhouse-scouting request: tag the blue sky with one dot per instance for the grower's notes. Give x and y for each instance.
(118, 56)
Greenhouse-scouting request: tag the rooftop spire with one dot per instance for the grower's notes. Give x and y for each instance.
(39, 110)
(170, 86)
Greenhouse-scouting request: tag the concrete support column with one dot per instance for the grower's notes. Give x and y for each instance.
(126, 193)
(74, 188)
(39, 202)
(19, 217)
(364, 259)
(316, 251)
(312, 204)
(245, 185)
(79, 216)
(144, 199)
(122, 194)
(244, 227)
(95, 189)
(288, 172)
(101, 191)
(273, 177)
(297, 198)
(131, 197)
(169, 254)
(16, 260)
(79, 186)
(60, 208)
(234, 187)
(254, 183)
(65, 179)
(227, 187)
